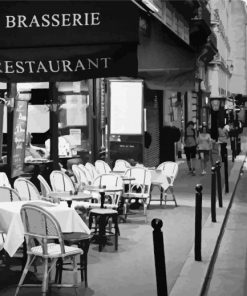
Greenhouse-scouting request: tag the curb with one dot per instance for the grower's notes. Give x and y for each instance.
(194, 276)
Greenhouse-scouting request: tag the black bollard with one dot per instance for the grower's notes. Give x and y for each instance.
(213, 195)
(225, 160)
(198, 223)
(219, 188)
(159, 257)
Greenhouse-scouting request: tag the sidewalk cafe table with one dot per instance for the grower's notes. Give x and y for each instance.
(102, 216)
(102, 191)
(67, 196)
(11, 223)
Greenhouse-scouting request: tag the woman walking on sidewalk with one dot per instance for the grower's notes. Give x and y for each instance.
(190, 146)
(204, 142)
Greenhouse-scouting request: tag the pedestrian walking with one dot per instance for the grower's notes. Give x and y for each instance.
(190, 146)
(204, 142)
(222, 140)
(232, 136)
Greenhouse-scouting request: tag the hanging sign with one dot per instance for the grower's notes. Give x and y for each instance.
(19, 137)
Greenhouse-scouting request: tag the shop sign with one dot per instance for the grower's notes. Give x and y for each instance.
(67, 40)
(68, 63)
(19, 137)
(60, 23)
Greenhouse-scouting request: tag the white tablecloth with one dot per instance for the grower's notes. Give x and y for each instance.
(10, 222)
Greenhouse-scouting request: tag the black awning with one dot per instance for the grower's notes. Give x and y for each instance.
(170, 79)
(67, 40)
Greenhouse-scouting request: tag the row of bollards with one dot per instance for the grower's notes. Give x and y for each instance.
(159, 253)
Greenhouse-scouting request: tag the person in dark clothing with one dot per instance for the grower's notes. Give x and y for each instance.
(169, 136)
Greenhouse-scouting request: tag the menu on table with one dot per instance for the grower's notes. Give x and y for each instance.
(19, 137)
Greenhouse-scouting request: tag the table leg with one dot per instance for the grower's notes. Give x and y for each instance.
(102, 197)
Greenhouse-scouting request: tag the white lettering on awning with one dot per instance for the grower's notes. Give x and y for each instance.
(53, 20)
(54, 66)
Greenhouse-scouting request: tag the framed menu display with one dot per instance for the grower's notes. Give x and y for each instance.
(126, 107)
(19, 136)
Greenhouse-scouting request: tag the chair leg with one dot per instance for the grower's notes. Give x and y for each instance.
(59, 271)
(117, 233)
(150, 197)
(24, 252)
(145, 210)
(45, 278)
(24, 273)
(110, 225)
(83, 264)
(161, 195)
(125, 211)
(165, 198)
(173, 195)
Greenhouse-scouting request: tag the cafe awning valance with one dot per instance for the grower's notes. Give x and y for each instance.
(67, 40)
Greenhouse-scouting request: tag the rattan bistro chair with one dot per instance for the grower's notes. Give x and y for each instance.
(8, 194)
(92, 170)
(170, 169)
(45, 187)
(138, 188)
(60, 182)
(121, 165)
(26, 189)
(102, 167)
(42, 226)
(87, 173)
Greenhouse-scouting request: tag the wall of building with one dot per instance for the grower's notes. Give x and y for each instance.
(219, 71)
(238, 44)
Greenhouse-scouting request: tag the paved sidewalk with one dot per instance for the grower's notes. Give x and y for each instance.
(229, 276)
(192, 277)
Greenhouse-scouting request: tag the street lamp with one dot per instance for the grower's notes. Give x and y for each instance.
(217, 102)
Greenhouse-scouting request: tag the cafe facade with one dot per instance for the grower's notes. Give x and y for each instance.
(105, 80)
(52, 61)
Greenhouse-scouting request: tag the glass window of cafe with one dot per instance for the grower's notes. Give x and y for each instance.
(73, 114)
(72, 108)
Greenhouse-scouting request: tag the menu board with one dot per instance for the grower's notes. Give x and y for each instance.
(126, 109)
(19, 137)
